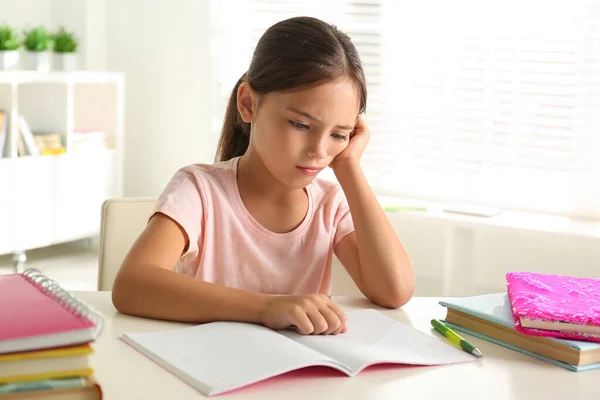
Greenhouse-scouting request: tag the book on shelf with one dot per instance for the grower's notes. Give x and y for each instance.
(3, 132)
(490, 317)
(89, 140)
(49, 143)
(29, 146)
(555, 305)
(21, 152)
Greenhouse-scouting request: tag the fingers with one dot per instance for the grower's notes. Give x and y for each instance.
(318, 321)
(361, 126)
(302, 322)
(316, 315)
(341, 316)
(327, 318)
(334, 322)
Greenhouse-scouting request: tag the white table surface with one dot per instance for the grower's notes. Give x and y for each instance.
(123, 373)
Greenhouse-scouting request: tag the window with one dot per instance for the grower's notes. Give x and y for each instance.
(495, 104)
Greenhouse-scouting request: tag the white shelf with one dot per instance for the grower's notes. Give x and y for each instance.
(50, 199)
(24, 77)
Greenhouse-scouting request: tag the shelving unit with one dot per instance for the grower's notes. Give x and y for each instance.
(50, 199)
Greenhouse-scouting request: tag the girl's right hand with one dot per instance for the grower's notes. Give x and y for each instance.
(309, 314)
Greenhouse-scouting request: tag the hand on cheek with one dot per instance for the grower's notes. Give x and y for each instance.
(356, 145)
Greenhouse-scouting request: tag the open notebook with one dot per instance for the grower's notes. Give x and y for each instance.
(222, 356)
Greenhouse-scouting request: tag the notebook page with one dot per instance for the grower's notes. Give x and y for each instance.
(372, 338)
(223, 356)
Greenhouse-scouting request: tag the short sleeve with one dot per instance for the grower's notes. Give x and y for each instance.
(182, 200)
(343, 218)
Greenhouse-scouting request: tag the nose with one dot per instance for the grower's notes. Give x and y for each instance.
(318, 147)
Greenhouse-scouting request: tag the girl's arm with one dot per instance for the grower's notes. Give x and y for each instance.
(145, 286)
(373, 255)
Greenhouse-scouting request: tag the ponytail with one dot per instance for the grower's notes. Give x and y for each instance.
(235, 135)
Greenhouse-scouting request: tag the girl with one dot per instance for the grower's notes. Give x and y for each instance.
(251, 237)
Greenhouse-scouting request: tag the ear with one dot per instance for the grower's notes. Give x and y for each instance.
(246, 102)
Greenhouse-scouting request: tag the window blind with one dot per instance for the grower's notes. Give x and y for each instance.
(487, 103)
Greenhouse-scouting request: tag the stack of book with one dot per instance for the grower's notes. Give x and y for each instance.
(45, 340)
(550, 317)
(49, 143)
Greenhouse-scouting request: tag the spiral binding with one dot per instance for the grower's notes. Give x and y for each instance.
(65, 299)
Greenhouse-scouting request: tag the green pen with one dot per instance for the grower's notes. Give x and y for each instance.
(455, 338)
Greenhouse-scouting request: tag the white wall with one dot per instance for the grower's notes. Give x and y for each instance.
(163, 48)
(24, 14)
(87, 19)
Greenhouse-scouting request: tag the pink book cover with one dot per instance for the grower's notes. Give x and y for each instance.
(31, 308)
(554, 298)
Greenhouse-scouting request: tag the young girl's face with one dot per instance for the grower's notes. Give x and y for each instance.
(297, 134)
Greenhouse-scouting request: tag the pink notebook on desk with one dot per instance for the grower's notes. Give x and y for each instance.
(555, 305)
(36, 313)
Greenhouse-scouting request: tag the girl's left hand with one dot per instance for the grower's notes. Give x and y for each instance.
(358, 142)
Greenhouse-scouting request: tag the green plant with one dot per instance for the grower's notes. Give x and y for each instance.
(9, 40)
(65, 42)
(38, 39)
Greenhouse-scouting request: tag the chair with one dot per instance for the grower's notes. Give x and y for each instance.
(122, 221)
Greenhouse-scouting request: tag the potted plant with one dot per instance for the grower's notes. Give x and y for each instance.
(65, 50)
(9, 48)
(38, 43)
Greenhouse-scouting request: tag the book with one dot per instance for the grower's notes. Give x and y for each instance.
(30, 148)
(49, 143)
(490, 317)
(51, 363)
(3, 131)
(44, 384)
(53, 389)
(555, 305)
(36, 313)
(221, 356)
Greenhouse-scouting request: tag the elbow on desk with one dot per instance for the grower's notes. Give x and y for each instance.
(118, 299)
(395, 295)
(121, 295)
(395, 299)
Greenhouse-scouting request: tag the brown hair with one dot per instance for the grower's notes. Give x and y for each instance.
(294, 53)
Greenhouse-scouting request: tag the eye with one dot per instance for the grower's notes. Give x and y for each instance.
(338, 136)
(298, 125)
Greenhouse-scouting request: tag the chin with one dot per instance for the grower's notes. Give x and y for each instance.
(301, 183)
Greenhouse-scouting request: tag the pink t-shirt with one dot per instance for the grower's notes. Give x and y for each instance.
(230, 248)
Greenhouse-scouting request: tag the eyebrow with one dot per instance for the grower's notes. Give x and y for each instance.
(307, 115)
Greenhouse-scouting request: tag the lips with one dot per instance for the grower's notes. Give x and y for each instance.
(310, 171)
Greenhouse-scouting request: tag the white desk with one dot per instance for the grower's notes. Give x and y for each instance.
(501, 374)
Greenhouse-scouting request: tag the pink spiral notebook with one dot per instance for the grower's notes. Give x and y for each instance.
(555, 305)
(36, 313)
